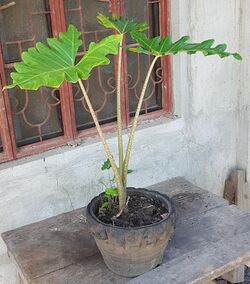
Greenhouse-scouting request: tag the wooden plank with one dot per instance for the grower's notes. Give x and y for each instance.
(243, 191)
(69, 241)
(202, 231)
(18, 279)
(229, 191)
(189, 199)
(60, 249)
(237, 191)
(201, 266)
(91, 270)
(247, 264)
(50, 245)
(235, 276)
(190, 235)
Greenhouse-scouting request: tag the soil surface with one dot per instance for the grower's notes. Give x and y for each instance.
(140, 211)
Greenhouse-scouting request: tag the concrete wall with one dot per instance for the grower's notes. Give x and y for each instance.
(243, 134)
(213, 94)
(200, 145)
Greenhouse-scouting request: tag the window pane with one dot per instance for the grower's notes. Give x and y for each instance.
(36, 115)
(101, 84)
(142, 10)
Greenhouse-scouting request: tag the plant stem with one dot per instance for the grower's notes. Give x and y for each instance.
(118, 109)
(135, 122)
(122, 196)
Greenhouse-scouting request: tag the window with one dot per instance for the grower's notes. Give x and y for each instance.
(35, 121)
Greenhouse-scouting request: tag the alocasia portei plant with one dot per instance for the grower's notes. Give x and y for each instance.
(51, 65)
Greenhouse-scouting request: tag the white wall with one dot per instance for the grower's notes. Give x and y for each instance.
(201, 145)
(243, 134)
(213, 94)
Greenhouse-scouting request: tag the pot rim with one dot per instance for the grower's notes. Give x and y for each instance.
(162, 196)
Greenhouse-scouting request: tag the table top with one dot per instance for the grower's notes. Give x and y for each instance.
(211, 238)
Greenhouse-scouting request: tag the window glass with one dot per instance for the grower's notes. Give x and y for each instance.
(36, 115)
(101, 84)
(142, 10)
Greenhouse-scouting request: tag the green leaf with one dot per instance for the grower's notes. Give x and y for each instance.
(130, 171)
(237, 56)
(164, 46)
(110, 191)
(139, 50)
(120, 24)
(106, 165)
(96, 55)
(50, 65)
(105, 204)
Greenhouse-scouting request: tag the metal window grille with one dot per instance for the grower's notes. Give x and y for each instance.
(32, 122)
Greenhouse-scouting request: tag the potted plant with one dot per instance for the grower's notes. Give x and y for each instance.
(131, 226)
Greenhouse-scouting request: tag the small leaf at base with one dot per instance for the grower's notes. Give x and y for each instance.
(106, 165)
(110, 191)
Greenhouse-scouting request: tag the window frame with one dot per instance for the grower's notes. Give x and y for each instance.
(70, 133)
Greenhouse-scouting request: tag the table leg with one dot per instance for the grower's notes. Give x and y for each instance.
(235, 276)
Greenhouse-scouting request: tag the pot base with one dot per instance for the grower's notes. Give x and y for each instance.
(131, 269)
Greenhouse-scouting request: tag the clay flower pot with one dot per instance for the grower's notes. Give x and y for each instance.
(132, 251)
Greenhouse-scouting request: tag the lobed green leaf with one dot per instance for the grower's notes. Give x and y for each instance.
(97, 55)
(121, 24)
(158, 46)
(51, 65)
(48, 65)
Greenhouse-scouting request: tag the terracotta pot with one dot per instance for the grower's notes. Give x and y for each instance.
(132, 251)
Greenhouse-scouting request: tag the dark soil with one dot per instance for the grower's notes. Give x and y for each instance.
(140, 211)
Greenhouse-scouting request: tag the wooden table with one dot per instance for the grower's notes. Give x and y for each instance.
(211, 238)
